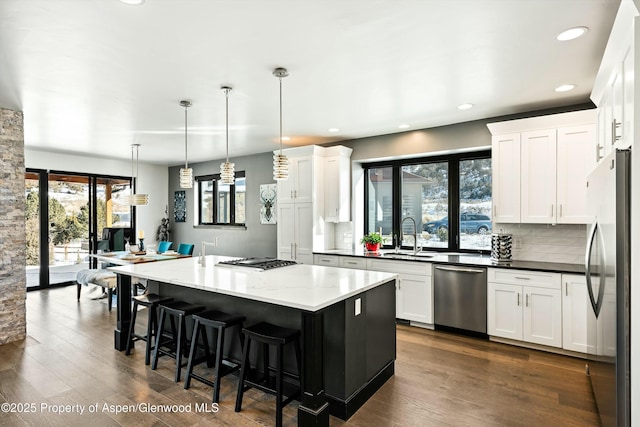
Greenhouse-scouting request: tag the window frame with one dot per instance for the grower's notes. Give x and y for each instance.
(232, 202)
(453, 161)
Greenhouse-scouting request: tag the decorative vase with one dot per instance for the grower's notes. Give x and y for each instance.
(141, 246)
(372, 247)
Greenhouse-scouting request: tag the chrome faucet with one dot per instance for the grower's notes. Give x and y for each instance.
(415, 234)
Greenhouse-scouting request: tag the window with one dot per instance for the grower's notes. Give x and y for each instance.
(428, 194)
(221, 204)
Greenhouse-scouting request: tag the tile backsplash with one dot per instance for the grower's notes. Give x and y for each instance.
(564, 243)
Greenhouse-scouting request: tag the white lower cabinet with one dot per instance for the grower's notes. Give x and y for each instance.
(328, 260)
(525, 306)
(577, 315)
(414, 288)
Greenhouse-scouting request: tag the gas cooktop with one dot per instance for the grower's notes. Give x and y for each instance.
(258, 264)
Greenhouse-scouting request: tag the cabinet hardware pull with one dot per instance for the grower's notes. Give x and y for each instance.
(523, 278)
(518, 299)
(566, 288)
(560, 212)
(458, 269)
(527, 299)
(551, 210)
(598, 149)
(614, 135)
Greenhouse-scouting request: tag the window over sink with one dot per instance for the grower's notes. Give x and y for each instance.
(431, 191)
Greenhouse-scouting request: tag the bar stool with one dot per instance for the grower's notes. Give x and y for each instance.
(151, 301)
(178, 338)
(268, 334)
(220, 321)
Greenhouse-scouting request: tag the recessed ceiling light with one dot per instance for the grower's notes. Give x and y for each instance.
(464, 106)
(334, 130)
(403, 126)
(572, 33)
(132, 2)
(564, 88)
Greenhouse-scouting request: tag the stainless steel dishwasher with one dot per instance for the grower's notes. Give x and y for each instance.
(460, 297)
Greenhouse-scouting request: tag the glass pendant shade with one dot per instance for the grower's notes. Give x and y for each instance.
(186, 178)
(280, 161)
(227, 173)
(135, 199)
(227, 169)
(186, 173)
(280, 167)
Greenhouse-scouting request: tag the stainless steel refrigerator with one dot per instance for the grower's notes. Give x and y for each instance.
(608, 273)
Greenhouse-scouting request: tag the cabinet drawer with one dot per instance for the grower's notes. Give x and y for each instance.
(329, 260)
(423, 268)
(353, 262)
(541, 279)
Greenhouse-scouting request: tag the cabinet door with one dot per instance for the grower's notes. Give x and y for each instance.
(285, 187)
(326, 260)
(602, 124)
(577, 315)
(303, 178)
(505, 160)
(575, 161)
(337, 204)
(538, 182)
(415, 298)
(627, 100)
(504, 310)
(303, 225)
(617, 102)
(286, 234)
(542, 316)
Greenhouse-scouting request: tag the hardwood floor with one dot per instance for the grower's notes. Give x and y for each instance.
(441, 380)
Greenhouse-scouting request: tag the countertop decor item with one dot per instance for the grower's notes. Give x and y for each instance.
(372, 241)
(501, 244)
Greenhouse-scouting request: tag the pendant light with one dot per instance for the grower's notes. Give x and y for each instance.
(226, 168)
(186, 173)
(280, 161)
(136, 199)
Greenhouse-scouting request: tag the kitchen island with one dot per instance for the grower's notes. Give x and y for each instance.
(347, 320)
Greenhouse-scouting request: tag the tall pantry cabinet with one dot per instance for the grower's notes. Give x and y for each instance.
(303, 223)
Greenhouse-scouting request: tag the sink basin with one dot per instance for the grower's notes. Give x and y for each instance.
(404, 255)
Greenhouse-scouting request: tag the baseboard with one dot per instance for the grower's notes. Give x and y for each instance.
(344, 409)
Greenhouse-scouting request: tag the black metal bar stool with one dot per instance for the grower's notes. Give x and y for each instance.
(268, 334)
(220, 321)
(151, 301)
(177, 341)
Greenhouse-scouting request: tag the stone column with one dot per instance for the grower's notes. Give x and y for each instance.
(13, 325)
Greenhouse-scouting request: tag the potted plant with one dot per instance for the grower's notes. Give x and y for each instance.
(372, 241)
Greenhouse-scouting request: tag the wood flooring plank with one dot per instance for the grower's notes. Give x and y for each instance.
(441, 379)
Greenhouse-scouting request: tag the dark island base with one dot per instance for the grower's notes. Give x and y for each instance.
(347, 357)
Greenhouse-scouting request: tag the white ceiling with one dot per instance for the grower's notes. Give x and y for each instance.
(94, 76)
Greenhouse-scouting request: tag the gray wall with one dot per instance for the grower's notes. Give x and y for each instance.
(257, 240)
(260, 240)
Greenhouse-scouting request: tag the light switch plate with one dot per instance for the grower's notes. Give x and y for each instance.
(358, 306)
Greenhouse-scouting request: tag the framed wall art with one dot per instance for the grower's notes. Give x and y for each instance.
(268, 194)
(180, 206)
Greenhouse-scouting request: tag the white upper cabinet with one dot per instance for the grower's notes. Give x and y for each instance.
(506, 178)
(574, 161)
(538, 181)
(540, 167)
(337, 184)
(299, 186)
(613, 90)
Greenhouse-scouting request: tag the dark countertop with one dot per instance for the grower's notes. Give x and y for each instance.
(464, 259)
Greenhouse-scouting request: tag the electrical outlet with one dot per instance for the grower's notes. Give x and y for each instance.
(517, 243)
(358, 306)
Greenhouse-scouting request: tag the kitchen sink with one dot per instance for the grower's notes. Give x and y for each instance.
(404, 255)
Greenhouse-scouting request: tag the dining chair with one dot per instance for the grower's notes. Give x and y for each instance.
(163, 246)
(185, 249)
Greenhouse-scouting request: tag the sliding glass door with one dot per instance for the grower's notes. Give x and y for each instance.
(66, 226)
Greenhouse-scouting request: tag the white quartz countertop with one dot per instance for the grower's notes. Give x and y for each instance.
(305, 287)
